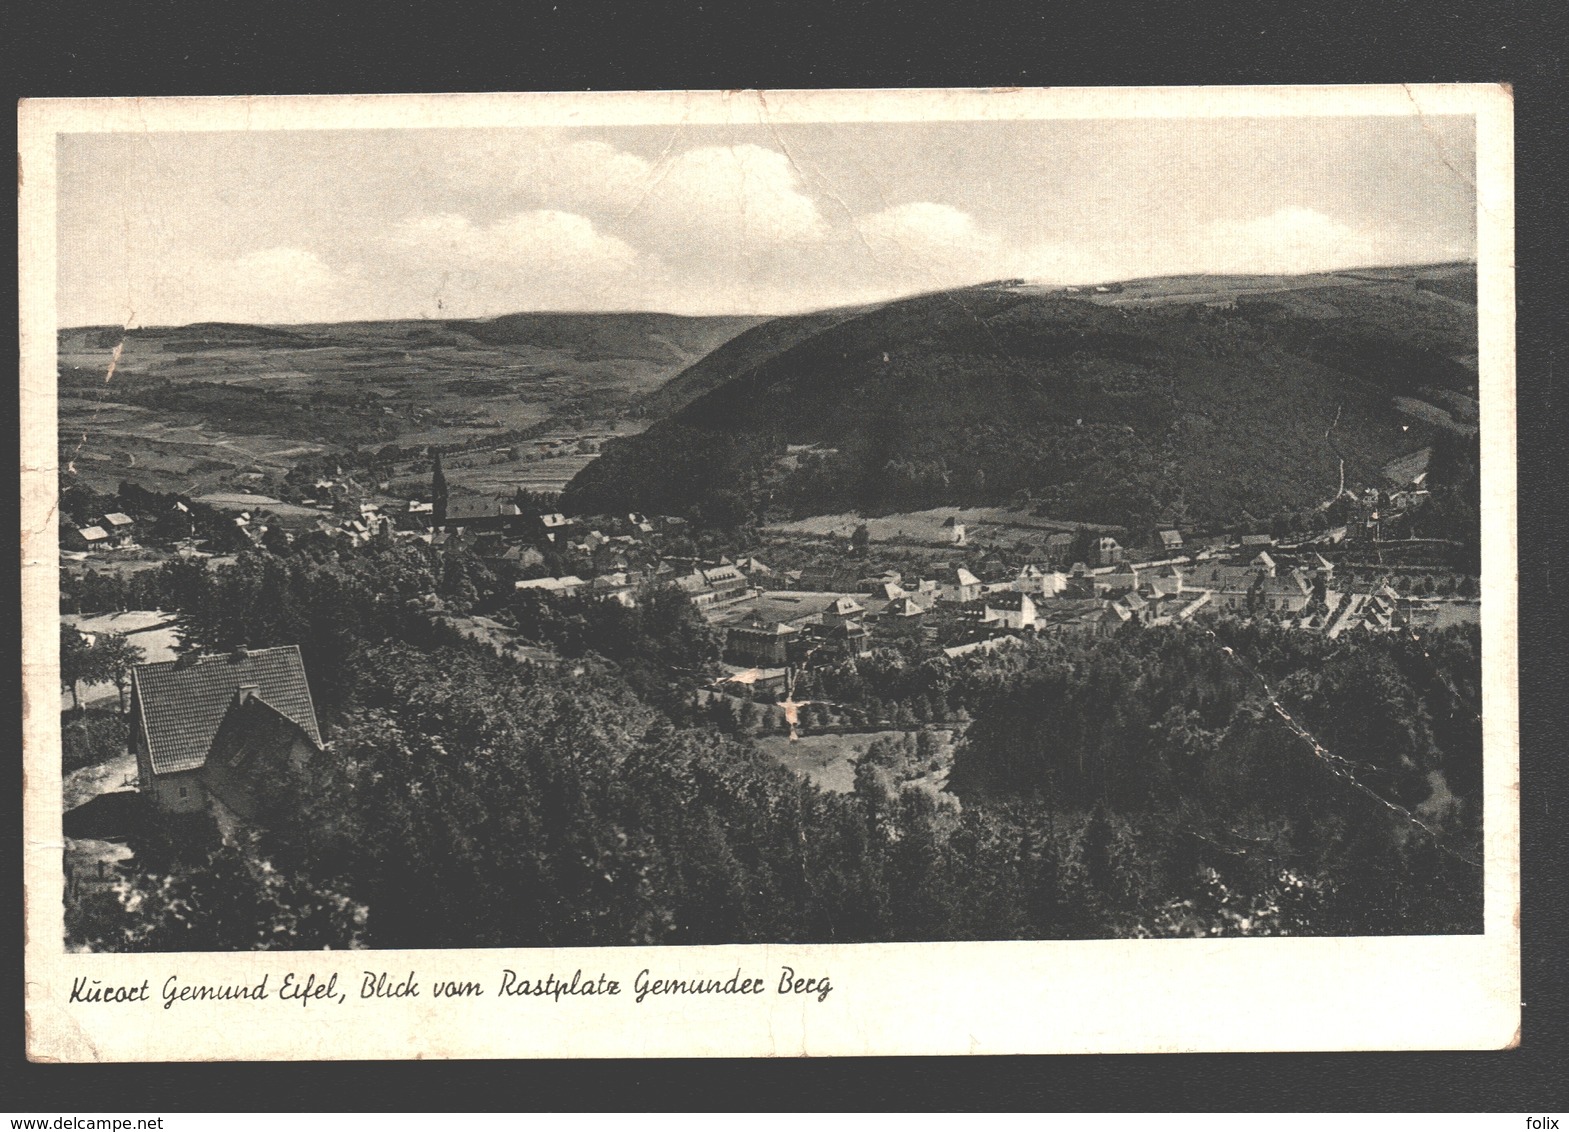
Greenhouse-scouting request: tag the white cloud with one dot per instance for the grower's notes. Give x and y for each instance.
(275, 272)
(434, 265)
(541, 240)
(588, 174)
(927, 245)
(1288, 240)
(927, 223)
(744, 199)
(290, 225)
(524, 221)
(538, 167)
(748, 195)
(543, 259)
(1292, 240)
(726, 226)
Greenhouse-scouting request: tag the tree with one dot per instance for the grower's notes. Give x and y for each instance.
(722, 712)
(1096, 850)
(173, 524)
(860, 541)
(91, 738)
(75, 662)
(1082, 548)
(113, 658)
(232, 901)
(182, 583)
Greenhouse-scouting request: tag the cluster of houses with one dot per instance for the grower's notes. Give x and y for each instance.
(772, 619)
(958, 612)
(356, 523)
(1371, 515)
(709, 586)
(113, 530)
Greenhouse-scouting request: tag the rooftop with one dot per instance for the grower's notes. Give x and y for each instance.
(1007, 599)
(182, 703)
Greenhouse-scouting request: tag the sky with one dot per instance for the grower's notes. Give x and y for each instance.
(326, 226)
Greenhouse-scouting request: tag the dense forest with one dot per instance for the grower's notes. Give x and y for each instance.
(1245, 781)
(1091, 412)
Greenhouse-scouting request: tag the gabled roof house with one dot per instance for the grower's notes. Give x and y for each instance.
(206, 730)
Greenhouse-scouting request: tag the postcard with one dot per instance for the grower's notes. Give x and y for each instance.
(769, 573)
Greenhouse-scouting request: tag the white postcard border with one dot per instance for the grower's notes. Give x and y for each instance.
(986, 998)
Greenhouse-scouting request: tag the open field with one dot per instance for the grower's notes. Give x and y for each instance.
(83, 785)
(1402, 470)
(829, 759)
(1437, 284)
(104, 442)
(926, 527)
(774, 605)
(543, 464)
(201, 407)
(1434, 415)
(1445, 614)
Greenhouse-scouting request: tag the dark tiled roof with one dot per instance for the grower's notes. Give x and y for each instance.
(1005, 600)
(182, 708)
(251, 729)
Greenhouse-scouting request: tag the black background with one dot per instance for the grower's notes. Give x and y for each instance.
(163, 48)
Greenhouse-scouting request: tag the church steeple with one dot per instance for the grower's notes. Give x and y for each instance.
(438, 493)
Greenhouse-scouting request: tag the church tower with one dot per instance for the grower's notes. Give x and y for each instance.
(438, 494)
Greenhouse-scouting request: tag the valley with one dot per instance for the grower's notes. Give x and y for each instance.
(978, 583)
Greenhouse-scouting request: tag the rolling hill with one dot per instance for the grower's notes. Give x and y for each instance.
(742, 353)
(1205, 397)
(669, 343)
(195, 406)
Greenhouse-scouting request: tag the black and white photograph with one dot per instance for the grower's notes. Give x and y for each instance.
(754, 526)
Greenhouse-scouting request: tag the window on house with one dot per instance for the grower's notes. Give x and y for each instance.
(185, 791)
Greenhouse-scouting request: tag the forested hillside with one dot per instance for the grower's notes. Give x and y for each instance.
(739, 355)
(1141, 786)
(1088, 409)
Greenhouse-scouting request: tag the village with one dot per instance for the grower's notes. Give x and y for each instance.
(974, 583)
(979, 583)
(790, 602)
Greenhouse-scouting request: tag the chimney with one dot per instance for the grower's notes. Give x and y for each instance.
(249, 692)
